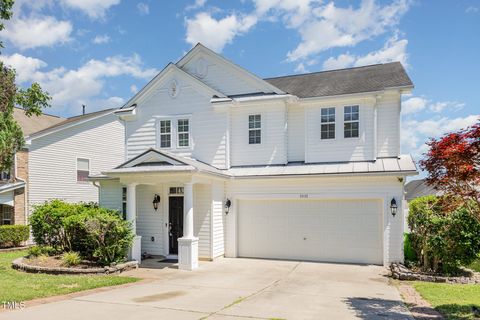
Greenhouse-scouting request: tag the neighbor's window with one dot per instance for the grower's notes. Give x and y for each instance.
(351, 120)
(83, 169)
(165, 134)
(254, 129)
(328, 123)
(183, 133)
(4, 175)
(6, 214)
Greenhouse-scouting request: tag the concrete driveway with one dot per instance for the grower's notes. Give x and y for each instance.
(237, 289)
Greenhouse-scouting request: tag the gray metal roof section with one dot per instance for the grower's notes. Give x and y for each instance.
(11, 186)
(371, 78)
(402, 165)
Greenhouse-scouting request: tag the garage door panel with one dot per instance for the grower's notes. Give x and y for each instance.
(320, 230)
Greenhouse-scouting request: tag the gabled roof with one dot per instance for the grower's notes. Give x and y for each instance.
(372, 78)
(69, 122)
(201, 48)
(34, 123)
(168, 68)
(154, 160)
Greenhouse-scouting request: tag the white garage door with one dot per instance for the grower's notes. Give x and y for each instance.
(319, 230)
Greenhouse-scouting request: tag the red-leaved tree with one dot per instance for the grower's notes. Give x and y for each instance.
(453, 166)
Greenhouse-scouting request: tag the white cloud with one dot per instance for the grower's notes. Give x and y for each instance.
(36, 31)
(414, 104)
(101, 39)
(331, 26)
(472, 9)
(440, 106)
(143, 9)
(215, 34)
(393, 50)
(416, 133)
(196, 5)
(95, 9)
(133, 89)
(71, 88)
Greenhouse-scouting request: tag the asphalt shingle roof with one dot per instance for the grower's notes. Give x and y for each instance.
(376, 77)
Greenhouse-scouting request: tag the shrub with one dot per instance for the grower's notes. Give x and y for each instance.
(13, 235)
(36, 251)
(443, 241)
(409, 252)
(71, 259)
(95, 233)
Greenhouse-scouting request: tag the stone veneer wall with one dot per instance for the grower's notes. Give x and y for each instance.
(20, 195)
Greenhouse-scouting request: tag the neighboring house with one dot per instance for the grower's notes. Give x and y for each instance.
(13, 196)
(415, 189)
(221, 162)
(58, 157)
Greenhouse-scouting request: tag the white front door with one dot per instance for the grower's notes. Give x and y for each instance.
(319, 230)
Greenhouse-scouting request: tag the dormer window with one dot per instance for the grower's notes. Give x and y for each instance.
(327, 123)
(254, 129)
(351, 121)
(165, 134)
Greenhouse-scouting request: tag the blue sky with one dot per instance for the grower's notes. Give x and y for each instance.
(100, 52)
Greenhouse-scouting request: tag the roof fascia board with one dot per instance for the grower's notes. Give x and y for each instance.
(28, 139)
(340, 174)
(250, 77)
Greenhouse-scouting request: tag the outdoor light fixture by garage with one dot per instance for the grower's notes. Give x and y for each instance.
(228, 204)
(156, 201)
(393, 207)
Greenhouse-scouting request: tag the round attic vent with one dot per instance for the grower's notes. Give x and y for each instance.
(173, 88)
(201, 68)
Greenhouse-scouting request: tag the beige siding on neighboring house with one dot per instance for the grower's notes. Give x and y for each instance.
(53, 159)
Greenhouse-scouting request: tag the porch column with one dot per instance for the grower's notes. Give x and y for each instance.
(135, 252)
(188, 244)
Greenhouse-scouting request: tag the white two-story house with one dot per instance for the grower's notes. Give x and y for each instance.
(219, 162)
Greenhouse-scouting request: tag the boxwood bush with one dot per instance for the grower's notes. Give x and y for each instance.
(442, 241)
(97, 234)
(13, 235)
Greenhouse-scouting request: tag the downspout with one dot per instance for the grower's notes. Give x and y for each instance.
(98, 187)
(26, 204)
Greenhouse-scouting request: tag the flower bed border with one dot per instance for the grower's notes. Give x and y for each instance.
(20, 265)
(400, 272)
(11, 249)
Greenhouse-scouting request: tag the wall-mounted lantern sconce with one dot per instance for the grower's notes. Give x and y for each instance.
(156, 201)
(228, 204)
(393, 207)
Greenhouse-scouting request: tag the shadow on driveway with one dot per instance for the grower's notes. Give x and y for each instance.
(374, 308)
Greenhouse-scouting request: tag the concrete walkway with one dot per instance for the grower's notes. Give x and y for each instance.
(237, 289)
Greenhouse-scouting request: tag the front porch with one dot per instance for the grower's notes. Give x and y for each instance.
(175, 210)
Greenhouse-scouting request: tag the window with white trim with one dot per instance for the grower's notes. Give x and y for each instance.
(165, 133)
(183, 130)
(6, 214)
(83, 169)
(4, 175)
(254, 129)
(327, 123)
(350, 121)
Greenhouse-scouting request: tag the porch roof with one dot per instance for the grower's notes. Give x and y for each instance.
(154, 160)
(11, 186)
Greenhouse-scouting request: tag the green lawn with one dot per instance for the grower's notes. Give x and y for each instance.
(20, 286)
(455, 301)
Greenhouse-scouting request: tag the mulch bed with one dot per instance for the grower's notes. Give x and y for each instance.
(401, 272)
(54, 265)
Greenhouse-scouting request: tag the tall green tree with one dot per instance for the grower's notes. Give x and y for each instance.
(32, 100)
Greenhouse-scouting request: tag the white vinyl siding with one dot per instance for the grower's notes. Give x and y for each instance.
(296, 134)
(52, 159)
(150, 223)
(218, 220)
(201, 218)
(111, 195)
(339, 149)
(272, 150)
(388, 126)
